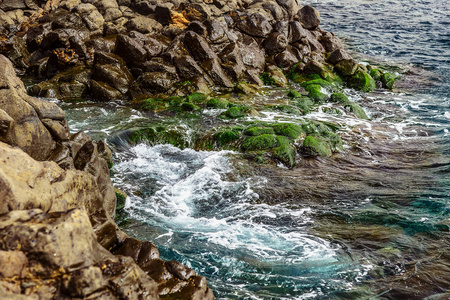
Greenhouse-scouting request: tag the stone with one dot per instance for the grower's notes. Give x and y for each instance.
(130, 49)
(252, 55)
(103, 92)
(337, 56)
(316, 146)
(362, 81)
(116, 76)
(30, 184)
(296, 32)
(198, 47)
(309, 17)
(347, 67)
(35, 139)
(331, 42)
(275, 43)
(144, 25)
(13, 263)
(254, 24)
(216, 73)
(154, 82)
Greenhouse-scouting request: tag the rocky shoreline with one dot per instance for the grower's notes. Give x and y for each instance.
(58, 237)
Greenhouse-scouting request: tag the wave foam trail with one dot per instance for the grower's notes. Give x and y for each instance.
(186, 196)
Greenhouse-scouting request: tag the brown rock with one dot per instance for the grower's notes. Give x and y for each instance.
(130, 49)
(275, 43)
(309, 17)
(337, 56)
(254, 24)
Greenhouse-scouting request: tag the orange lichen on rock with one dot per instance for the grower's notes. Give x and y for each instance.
(179, 19)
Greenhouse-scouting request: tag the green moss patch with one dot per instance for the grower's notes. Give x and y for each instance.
(292, 131)
(121, 198)
(260, 142)
(362, 81)
(339, 98)
(196, 98)
(316, 146)
(257, 130)
(357, 110)
(316, 93)
(217, 103)
(387, 80)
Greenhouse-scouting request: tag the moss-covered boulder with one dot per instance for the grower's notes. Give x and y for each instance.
(316, 146)
(121, 198)
(362, 81)
(285, 154)
(155, 104)
(294, 94)
(225, 137)
(357, 110)
(388, 80)
(235, 112)
(316, 93)
(196, 98)
(260, 142)
(290, 130)
(376, 74)
(323, 83)
(258, 130)
(305, 104)
(175, 135)
(339, 98)
(217, 103)
(187, 106)
(287, 109)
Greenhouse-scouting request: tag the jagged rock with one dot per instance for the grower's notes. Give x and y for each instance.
(275, 43)
(331, 42)
(130, 49)
(309, 17)
(143, 24)
(347, 67)
(252, 55)
(337, 56)
(27, 184)
(32, 136)
(103, 92)
(286, 59)
(112, 70)
(154, 82)
(254, 24)
(198, 47)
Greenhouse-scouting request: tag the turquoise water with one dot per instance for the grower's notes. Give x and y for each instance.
(370, 223)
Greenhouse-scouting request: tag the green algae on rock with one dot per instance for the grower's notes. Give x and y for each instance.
(362, 81)
(316, 146)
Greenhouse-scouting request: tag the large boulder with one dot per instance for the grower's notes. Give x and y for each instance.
(309, 17)
(27, 130)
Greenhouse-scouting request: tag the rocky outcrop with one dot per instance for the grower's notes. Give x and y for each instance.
(154, 47)
(57, 232)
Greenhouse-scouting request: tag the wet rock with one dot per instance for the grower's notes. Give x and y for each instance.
(290, 6)
(362, 81)
(216, 30)
(35, 139)
(198, 47)
(144, 25)
(275, 43)
(331, 42)
(103, 92)
(286, 59)
(154, 82)
(187, 67)
(309, 17)
(252, 55)
(112, 70)
(216, 73)
(130, 49)
(347, 67)
(316, 146)
(254, 24)
(337, 56)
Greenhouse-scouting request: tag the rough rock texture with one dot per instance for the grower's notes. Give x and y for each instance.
(56, 226)
(218, 43)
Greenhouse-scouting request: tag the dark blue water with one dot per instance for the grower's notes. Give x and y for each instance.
(370, 223)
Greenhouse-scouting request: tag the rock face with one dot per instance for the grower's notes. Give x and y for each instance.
(57, 234)
(213, 42)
